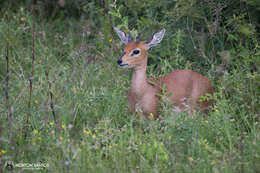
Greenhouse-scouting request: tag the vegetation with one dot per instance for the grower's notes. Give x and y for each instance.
(74, 114)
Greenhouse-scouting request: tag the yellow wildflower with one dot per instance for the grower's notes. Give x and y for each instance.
(36, 102)
(214, 162)
(151, 115)
(22, 19)
(51, 123)
(63, 126)
(35, 132)
(2, 152)
(61, 138)
(110, 40)
(39, 138)
(86, 132)
(94, 136)
(217, 110)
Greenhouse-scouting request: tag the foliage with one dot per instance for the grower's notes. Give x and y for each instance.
(76, 46)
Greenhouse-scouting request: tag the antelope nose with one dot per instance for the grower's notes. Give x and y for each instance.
(119, 61)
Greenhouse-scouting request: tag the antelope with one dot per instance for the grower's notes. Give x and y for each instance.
(184, 87)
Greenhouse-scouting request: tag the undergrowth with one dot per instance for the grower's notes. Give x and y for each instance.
(93, 130)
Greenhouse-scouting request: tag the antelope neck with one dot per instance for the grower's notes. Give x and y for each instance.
(139, 80)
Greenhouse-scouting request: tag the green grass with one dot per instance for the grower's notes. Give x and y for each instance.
(94, 131)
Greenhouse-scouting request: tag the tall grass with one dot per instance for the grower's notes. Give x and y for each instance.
(85, 93)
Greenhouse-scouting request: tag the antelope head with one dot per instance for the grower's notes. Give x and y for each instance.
(135, 51)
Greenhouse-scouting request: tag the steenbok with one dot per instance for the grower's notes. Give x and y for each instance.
(184, 88)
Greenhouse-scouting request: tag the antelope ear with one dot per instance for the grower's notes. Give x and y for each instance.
(155, 39)
(123, 36)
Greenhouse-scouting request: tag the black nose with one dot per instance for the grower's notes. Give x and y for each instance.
(119, 61)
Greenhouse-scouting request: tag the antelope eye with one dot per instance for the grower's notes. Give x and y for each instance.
(135, 52)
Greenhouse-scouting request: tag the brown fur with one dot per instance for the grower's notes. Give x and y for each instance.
(185, 87)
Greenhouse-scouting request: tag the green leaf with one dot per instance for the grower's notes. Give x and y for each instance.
(115, 14)
(232, 37)
(245, 30)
